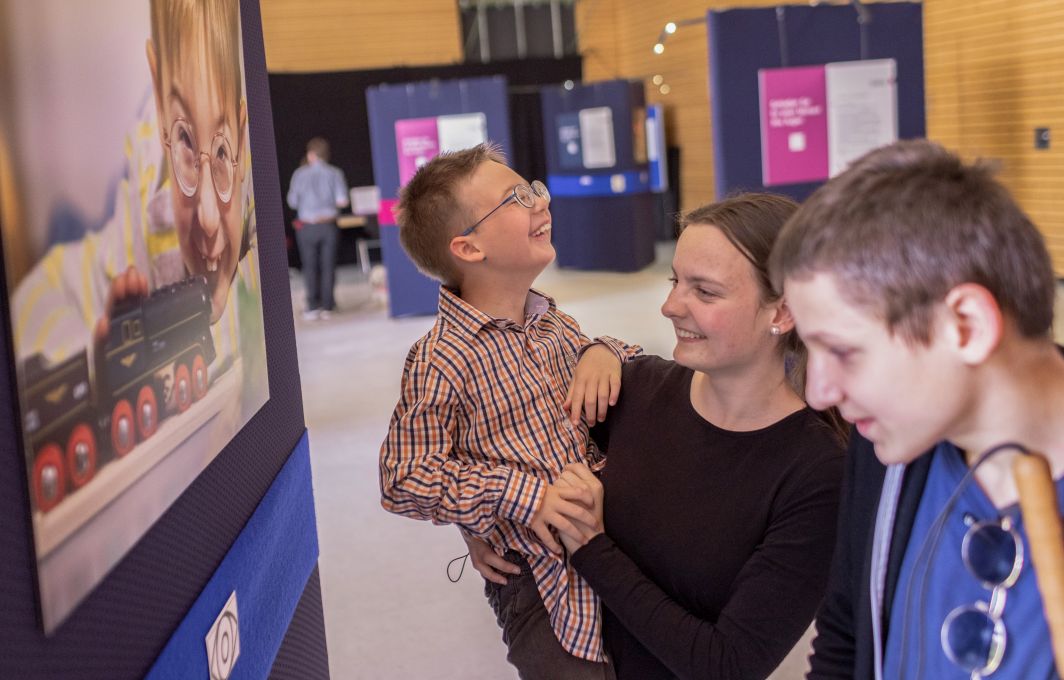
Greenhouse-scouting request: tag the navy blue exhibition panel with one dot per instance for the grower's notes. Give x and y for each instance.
(603, 218)
(741, 41)
(411, 292)
(592, 233)
(267, 568)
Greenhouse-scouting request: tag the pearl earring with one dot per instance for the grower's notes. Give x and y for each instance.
(775, 330)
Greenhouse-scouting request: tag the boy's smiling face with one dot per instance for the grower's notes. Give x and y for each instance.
(209, 229)
(904, 397)
(515, 238)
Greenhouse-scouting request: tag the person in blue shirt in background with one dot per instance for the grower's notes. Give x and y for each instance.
(317, 193)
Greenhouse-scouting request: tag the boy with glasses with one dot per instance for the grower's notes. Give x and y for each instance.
(184, 207)
(925, 296)
(489, 412)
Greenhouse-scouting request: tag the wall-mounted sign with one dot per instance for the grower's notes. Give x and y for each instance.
(461, 131)
(815, 120)
(794, 134)
(596, 131)
(419, 140)
(570, 150)
(862, 109)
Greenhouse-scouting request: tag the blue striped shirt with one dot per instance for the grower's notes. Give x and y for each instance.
(316, 191)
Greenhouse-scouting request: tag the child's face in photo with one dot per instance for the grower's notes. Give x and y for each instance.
(902, 396)
(203, 132)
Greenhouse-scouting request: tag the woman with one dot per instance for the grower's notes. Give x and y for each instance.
(715, 516)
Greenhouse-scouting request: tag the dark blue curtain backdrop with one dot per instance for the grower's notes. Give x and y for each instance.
(741, 41)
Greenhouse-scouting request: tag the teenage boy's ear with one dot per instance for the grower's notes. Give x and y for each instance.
(465, 250)
(973, 322)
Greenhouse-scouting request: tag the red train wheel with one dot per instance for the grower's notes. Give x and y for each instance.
(49, 482)
(199, 377)
(147, 412)
(123, 428)
(182, 388)
(81, 455)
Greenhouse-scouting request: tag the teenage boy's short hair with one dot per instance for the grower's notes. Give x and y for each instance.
(175, 22)
(430, 213)
(908, 222)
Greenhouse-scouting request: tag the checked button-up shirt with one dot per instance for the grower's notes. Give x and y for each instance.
(480, 431)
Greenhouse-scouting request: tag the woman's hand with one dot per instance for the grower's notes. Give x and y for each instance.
(596, 385)
(579, 530)
(562, 503)
(488, 563)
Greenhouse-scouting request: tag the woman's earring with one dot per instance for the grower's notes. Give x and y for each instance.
(775, 330)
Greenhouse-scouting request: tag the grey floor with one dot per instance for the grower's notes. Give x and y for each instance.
(390, 612)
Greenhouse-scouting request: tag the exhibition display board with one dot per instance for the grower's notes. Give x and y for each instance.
(827, 87)
(601, 206)
(150, 403)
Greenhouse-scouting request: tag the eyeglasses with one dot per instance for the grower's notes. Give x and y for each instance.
(525, 194)
(185, 157)
(973, 636)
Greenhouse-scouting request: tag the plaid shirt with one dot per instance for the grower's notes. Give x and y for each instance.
(479, 432)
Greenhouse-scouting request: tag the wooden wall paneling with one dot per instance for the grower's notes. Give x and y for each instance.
(994, 69)
(336, 35)
(995, 72)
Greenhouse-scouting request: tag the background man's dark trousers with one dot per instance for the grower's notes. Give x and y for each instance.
(317, 250)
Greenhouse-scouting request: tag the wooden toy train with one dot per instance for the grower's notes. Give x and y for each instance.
(152, 363)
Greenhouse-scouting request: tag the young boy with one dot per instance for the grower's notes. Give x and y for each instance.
(925, 297)
(482, 429)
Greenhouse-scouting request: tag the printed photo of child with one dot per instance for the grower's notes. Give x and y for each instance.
(137, 320)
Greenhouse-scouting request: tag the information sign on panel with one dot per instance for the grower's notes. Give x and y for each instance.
(596, 131)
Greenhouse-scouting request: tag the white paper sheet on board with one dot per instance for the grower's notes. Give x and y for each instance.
(596, 132)
(461, 131)
(862, 109)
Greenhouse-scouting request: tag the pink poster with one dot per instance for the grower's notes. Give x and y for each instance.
(418, 142)
(794, 127)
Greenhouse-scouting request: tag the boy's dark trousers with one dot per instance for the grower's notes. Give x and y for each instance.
(317, 251)
(533, 648)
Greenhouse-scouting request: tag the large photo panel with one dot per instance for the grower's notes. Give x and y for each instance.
(128, 230)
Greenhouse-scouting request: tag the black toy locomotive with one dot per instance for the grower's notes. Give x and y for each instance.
(153, 361)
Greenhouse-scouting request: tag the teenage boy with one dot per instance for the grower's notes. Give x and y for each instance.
(484, 423)
(925, 297)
